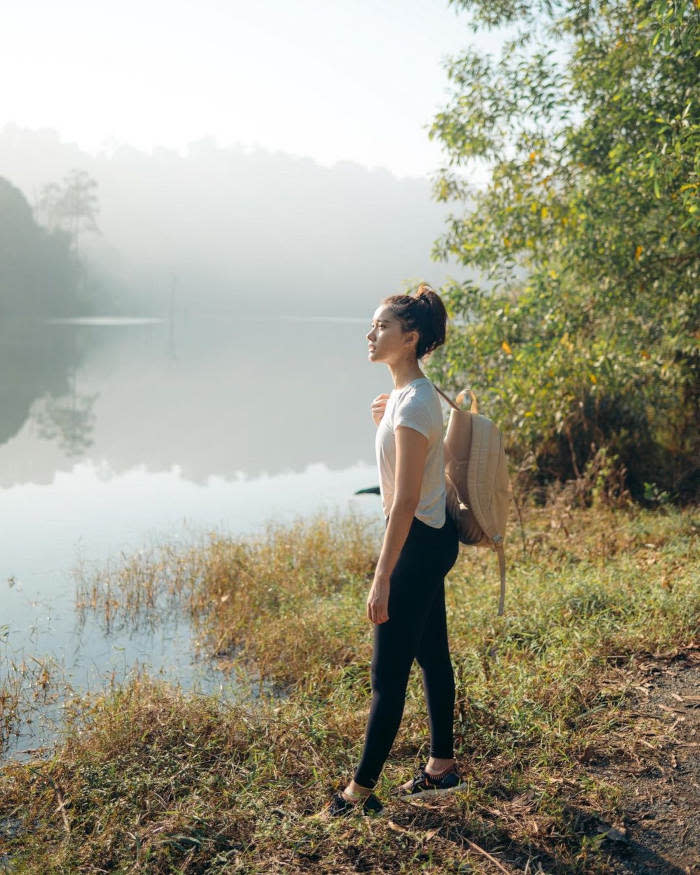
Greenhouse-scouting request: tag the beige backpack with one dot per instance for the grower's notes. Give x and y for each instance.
(476, 477)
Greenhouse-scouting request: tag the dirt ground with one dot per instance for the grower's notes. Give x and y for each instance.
(659, 774)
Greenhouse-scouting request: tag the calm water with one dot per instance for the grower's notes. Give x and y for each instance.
(116, 435)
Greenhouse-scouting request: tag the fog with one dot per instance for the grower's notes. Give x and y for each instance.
(234, 234)
(238, 229)
(246, 398)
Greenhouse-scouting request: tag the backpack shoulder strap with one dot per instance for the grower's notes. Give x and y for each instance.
(502, 569)
(449, 400)
(474, 406)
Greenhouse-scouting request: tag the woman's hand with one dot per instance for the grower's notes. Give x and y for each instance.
(378, 407)
(378, 599)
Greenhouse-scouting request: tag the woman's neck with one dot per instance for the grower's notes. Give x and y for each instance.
(404, 373)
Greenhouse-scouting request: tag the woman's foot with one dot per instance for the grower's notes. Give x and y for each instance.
(341, 805)
(427, 783)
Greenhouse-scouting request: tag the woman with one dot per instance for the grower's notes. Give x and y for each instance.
(406, 601)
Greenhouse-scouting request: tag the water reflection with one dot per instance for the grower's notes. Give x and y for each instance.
(70, 420)
(35, 361)
(212, 395)
(116, 436)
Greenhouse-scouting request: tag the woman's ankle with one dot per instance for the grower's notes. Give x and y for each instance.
(354, 792)
(436, 765)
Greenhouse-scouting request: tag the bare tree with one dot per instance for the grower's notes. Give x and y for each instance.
(71, 206)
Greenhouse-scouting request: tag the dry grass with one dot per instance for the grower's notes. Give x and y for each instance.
(27, 686)
(239, 590)
(147, 778)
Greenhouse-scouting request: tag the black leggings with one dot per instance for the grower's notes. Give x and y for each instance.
(416, 629)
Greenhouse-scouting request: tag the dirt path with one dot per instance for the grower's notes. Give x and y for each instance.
(659, 774)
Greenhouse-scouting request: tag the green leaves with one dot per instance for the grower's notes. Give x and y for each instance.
(587, 236)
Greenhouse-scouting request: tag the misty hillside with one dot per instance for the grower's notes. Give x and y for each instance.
(230, 227)
(38, 271)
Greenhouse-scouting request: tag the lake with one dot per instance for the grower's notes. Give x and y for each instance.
(120, 434)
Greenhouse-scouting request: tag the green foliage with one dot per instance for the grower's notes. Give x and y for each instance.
(587, 234)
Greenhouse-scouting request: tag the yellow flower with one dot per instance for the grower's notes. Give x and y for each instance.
(506, 348)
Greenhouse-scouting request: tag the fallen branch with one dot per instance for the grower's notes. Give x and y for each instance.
(62, 809)
(479, 850)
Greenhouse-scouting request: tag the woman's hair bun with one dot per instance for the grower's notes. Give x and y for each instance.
(423, 312)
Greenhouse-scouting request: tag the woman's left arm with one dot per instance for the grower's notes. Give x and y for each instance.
(411, 453)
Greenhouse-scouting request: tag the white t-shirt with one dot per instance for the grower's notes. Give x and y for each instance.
(417, 406)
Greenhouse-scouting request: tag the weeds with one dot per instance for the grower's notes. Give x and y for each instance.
(27, 686)
(147, 778)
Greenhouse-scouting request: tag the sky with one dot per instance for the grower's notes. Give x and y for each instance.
(334, 80)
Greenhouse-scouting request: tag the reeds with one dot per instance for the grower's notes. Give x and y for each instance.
(276, 601)
(27, 685)
(148, 778)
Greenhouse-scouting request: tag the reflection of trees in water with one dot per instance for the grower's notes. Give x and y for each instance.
(69, 419)
(39, 363)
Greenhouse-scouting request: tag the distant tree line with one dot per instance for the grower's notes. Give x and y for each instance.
(41, 274)
(590, 125)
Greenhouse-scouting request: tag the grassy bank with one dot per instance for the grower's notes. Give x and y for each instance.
(147, 778)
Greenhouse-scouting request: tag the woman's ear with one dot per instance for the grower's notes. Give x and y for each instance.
(411, 338)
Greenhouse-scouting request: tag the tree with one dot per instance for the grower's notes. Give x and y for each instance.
(39, 272)
(586, 341)
(72, 206)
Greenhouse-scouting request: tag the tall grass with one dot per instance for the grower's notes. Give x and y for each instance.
(147, 778)
(281, 601)
(27, 686)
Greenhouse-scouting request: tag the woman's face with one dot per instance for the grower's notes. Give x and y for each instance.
(387, 341)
